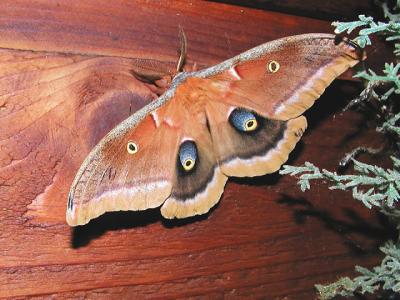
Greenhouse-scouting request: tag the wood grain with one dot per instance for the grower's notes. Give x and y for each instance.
(144, 29)
(265, 239)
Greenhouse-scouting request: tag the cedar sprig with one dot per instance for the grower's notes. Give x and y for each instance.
(372, 185)
(376, 187)
(368, 26)
(385, 276)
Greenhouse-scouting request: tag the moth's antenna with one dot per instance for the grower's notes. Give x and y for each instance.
(182, 50)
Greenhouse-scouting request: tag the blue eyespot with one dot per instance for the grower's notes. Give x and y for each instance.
(243, 120)
(188, 155)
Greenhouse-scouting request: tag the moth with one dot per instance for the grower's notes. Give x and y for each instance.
(240, 118)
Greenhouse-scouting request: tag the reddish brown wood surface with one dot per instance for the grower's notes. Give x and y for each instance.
(264, 240)
(144, 29)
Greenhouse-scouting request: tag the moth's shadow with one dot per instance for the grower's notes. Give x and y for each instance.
(332, 102)
(359, 235)
(83, 235)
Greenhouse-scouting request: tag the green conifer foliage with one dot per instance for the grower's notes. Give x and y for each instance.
(376, 187)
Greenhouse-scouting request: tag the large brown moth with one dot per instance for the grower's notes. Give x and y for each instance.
(239, 118)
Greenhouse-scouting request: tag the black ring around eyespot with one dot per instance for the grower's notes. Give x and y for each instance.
(244, 120)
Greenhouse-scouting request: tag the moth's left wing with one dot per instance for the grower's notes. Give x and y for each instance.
(127, 170)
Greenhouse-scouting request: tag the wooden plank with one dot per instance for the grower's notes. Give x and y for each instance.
(248, 245)
(149, 30)
(144, 29)
(181, 282)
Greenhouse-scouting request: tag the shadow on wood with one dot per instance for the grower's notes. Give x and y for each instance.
(359, 234)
